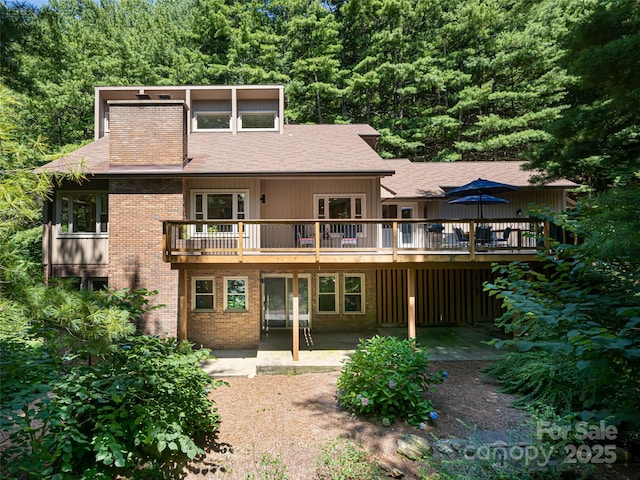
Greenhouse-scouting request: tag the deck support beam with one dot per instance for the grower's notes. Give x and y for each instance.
(411, 290)
(296, 318)
(182, 304)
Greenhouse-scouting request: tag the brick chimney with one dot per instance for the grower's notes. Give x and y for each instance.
(147, 133)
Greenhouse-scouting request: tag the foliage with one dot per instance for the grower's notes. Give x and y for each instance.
(441, 80)
(540, 378)
(597, 138)
(143, 405)
(270, 467)
(581, 308)
(387, 377)
(542, 459)
(345, 460)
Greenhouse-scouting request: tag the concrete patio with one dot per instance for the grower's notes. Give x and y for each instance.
(325, 352)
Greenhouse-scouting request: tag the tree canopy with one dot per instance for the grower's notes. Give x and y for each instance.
(443, 80)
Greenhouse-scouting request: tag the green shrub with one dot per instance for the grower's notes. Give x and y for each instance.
(143, 408)
(345, 460)
(387, 377)
(538, 377)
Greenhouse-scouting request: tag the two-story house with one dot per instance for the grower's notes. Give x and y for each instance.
(245, 224)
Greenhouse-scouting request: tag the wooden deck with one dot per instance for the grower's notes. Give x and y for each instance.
(363, 242)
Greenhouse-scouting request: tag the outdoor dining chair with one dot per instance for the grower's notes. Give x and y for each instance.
(504, 240)
(463, 240)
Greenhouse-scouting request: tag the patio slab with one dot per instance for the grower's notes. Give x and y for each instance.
(326, 351)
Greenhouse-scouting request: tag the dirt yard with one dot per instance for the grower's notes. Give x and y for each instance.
(290, 416)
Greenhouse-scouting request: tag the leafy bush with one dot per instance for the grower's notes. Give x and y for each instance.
(539, 378)
(387, 377)
(580, 305)
(345, 460)
(143, 407)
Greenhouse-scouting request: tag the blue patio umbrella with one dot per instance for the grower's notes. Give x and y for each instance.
(479, 200)
(482, 189)
(480, 186)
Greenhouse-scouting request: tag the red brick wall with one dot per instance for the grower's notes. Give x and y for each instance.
(147, 134)
(241, 330)
(136, 211)
(346, 322)
(226, 330)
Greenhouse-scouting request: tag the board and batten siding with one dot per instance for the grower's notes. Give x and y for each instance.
(290, 199)
(444, 296)
(553, 199)
(79, 251)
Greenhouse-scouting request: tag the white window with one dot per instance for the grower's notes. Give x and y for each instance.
(203, 294)
(81, 213)
(220, 205)
(258, 121)
(353, 293)
(235, 294)
(327, 293)
(212, 121)
(339, 206)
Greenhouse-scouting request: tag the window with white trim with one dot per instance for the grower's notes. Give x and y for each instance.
(220, 205)
(203, 294)
(339, 206)
(353, 293)
(258, 121)
(235, 294)
(327, 293)
(212, 121)
(81, 213)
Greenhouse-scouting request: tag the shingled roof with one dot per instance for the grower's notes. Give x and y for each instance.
(300, 150)
(432, 179)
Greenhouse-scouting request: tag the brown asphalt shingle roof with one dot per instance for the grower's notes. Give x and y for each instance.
(309, 150)
(427, 179)
(301, 149)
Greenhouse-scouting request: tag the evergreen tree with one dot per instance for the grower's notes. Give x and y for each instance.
(597, 140)
(312, 60)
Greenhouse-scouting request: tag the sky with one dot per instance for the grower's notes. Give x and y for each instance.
(35, 3)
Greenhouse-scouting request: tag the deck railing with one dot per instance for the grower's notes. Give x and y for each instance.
(365, 237)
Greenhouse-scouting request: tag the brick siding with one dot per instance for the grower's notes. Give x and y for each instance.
(226, 330)
(147, 135)
(230, 330)
(136, 211)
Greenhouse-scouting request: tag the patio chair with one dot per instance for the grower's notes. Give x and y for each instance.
(484, 235)
(302, 238)
(463, 240)
(350, 238)
(504, 240)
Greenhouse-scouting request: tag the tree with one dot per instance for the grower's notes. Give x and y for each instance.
(143, 405)
(312, 57)
(597, 139)
(578, 317)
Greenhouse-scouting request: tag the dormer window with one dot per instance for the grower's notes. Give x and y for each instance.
(258, 121)
(212, 121)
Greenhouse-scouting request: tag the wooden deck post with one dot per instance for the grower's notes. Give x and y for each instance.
(296, 318)
(411, 289)
(182, 304)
